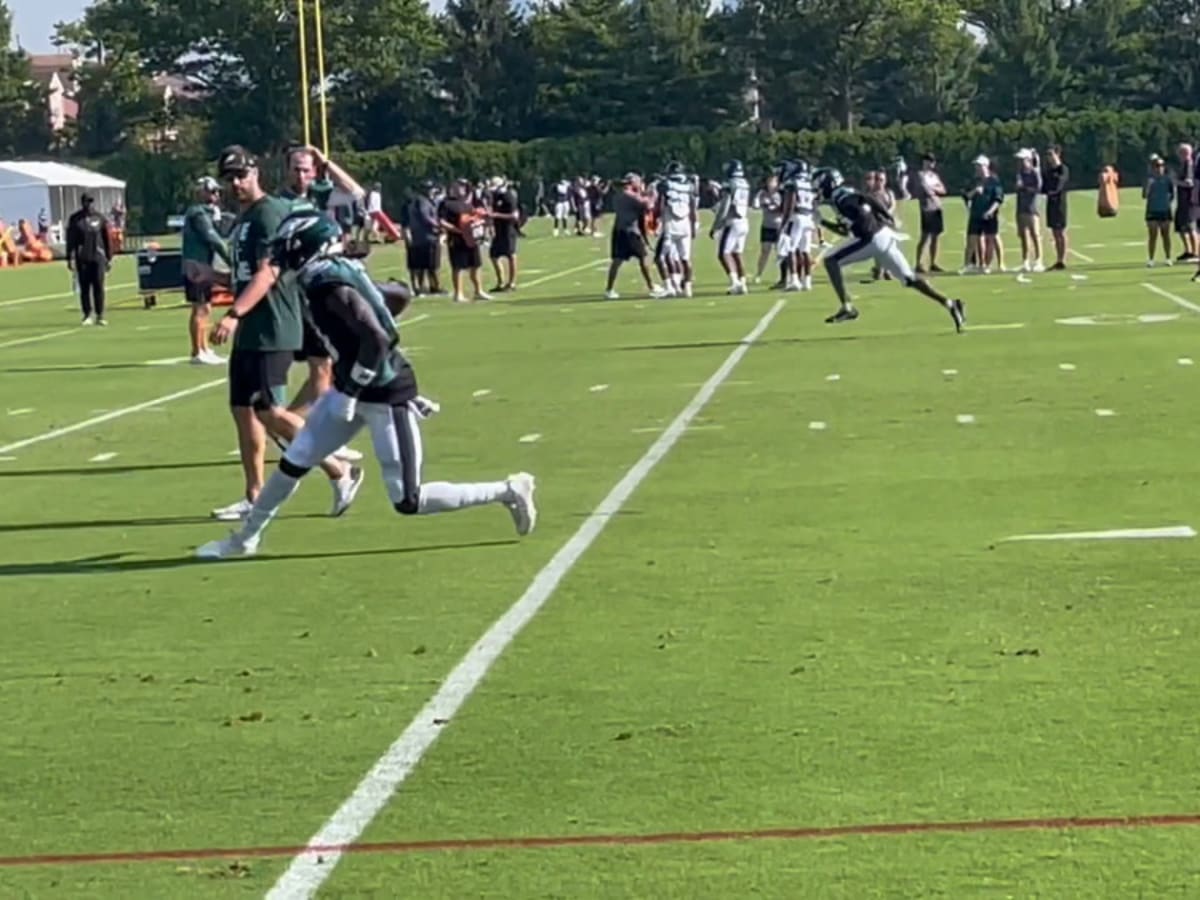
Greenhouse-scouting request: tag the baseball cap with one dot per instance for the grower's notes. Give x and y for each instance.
(208, 183)
(235, 159)
(87, 198)
(982, 160)
(1024, 153)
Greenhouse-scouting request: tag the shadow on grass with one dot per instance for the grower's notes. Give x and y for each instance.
(116, 470)
(119, 563)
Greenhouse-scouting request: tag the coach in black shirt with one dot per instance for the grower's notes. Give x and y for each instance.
(89, 256)
(1054, 185)
(506, 212)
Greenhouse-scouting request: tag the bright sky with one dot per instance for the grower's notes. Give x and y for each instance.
(33, 20)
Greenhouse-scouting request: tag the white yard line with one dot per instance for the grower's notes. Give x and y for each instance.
(115, 414)
(1117, 534)
(1174, 298)
(309, 870)
(40, 297)
(1078, 255)
(38, 337)
(591, 264)
(108, 417)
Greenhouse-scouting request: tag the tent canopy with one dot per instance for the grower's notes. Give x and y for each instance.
(28, 188)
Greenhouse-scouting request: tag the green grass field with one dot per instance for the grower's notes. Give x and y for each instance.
(786, 627)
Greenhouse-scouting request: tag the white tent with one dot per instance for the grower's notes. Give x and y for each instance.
(27, 188)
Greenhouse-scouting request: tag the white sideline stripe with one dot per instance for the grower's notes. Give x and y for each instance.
(309, 869)
(38, 337)
(23, 300)
(530, 438)
(590, 264)
(1174, 298)
(1170, 531)
(997, 326)
(1078, 255)
(108, 417)
(413, 321)
(115, 414)
(102, 457)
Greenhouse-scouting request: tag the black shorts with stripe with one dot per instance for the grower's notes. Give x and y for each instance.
(258, 378)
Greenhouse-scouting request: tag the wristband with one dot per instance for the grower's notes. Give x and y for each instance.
(233, 314)
(361, 375)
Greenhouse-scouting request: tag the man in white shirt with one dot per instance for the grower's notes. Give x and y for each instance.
(374, 207)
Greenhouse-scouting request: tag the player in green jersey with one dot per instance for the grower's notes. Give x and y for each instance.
(266, 328)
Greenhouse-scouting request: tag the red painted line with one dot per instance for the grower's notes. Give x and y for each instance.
(601, 840)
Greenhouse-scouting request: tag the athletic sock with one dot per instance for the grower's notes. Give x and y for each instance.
(446, 496)
(276, 492)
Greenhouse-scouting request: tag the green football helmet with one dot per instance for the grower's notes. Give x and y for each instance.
(304, 236)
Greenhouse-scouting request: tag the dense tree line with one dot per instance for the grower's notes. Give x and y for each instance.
(504, 70)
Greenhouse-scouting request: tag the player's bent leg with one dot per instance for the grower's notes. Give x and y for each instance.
(313, 443)
(396, 435)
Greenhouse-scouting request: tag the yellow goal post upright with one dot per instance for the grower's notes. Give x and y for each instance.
(305, 89)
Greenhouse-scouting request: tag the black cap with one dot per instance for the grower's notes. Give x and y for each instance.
(928, 157)
(235, 159)
(87, 198)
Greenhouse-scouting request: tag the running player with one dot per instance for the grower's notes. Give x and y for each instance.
(374, 388)
(732, 221)
(871, 236)
(676, 212)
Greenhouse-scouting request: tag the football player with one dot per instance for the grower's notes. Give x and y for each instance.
(374, 388)
(676, 212)
(799, 235)
(562, 206)
(871, 235)
(732, 221)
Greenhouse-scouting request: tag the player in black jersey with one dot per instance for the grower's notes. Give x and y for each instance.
(871, 235)
(374, 387)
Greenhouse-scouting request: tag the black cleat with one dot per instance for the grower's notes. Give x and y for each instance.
(845, 314)
(958, 313)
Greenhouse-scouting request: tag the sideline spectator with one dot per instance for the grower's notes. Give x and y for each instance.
(1029, 223)
(1158, 191)
(930, 191)
(1185, 205)
(1055, 179)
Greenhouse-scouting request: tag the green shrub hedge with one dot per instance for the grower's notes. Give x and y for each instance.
(158, 185)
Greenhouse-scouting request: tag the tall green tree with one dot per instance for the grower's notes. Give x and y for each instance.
(1022, 73)
(487, 70)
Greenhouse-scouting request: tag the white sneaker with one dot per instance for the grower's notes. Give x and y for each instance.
(347, 454)
(483, 295)
(234, 512)
(1039, 266)
(87, 320)
(611, 295)
(793, 287)
(345, 490)
(658, 292)
(208, 358)
(459, 298)
(687, 289)
(102, 322)
(520, 502)
(1149, 264)
(226, 548)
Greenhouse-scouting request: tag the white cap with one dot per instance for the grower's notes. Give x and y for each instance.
(982, 160)
(1024, 153)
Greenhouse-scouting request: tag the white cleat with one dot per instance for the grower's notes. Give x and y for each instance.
(483, 295)
(658, 292)
(687, 289)
(87, 320)
(234, 512)
(520, 502)
(611, 295)
(228, 548)
(347, 454)
(345, 490)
